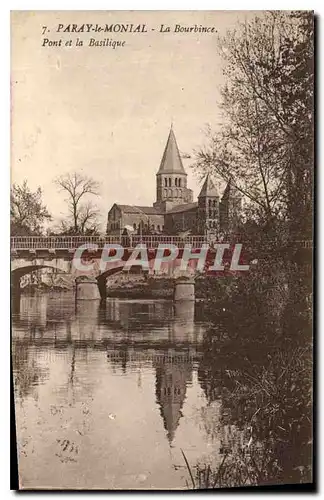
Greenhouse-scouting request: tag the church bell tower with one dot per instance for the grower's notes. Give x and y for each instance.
(171, 178)
(208, 208)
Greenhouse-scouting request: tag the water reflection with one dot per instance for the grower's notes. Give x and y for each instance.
(107, 395)
(113, 381)
(171, 385)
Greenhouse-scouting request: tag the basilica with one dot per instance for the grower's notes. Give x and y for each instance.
(174, 210)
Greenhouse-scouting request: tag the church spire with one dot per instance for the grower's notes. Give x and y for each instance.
(171, 387)
(227, 191)
(208, 189)
(171, 162)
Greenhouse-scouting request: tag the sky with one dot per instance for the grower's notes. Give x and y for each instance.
(107, 112)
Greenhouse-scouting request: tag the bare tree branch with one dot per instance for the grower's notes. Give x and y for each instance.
(78, 187)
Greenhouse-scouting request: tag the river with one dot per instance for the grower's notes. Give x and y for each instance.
(106, 397)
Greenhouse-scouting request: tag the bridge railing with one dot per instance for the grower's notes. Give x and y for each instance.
(58, 242)
(74, 242)
(155, 241)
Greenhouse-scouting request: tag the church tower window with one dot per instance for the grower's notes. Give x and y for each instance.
(179, 182)
(169, 181)
(165, 182)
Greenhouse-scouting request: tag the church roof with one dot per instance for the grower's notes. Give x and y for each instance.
(230, 191)
(171, 162)
(171, 414)
(227, 191)
(171, 383)
(208, 188)
(137, 209)
(182, 208)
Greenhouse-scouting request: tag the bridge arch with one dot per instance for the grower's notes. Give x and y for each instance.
(102, 278)
(23, 270)
(118, 270)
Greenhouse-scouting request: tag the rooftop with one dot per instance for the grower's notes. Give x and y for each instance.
(182, 208)
(137, 209)
(208, 188)
(171, 162)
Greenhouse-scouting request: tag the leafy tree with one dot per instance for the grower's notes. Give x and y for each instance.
(83, 214)
(297, 84)
(27, 211)
(265, 145)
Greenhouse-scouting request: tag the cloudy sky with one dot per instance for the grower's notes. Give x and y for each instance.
(107, 112)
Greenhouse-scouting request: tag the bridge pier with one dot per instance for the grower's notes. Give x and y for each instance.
(101, 282)
(87, 289)
(15, 287)
(183, 328)
(184, 289)
(15, 295)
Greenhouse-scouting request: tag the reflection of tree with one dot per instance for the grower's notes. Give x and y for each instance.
(27, 373)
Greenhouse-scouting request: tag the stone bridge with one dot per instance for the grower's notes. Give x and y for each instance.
(29, 254)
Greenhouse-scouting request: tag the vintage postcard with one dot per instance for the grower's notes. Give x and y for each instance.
(161, 249)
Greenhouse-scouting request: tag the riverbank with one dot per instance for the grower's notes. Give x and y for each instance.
(261, 335)
(142, 287)
(135, 288)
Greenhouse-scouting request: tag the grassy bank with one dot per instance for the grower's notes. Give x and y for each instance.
(261, 336)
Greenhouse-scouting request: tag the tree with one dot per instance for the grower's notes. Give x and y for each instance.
(265, 144)
(27, 211)
(83, 214)
(298, 83)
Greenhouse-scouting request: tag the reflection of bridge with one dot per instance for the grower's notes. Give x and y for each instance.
(127, 336)
(153, 355)
(116, 324)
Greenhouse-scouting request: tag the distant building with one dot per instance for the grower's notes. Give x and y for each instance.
(174, 210)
